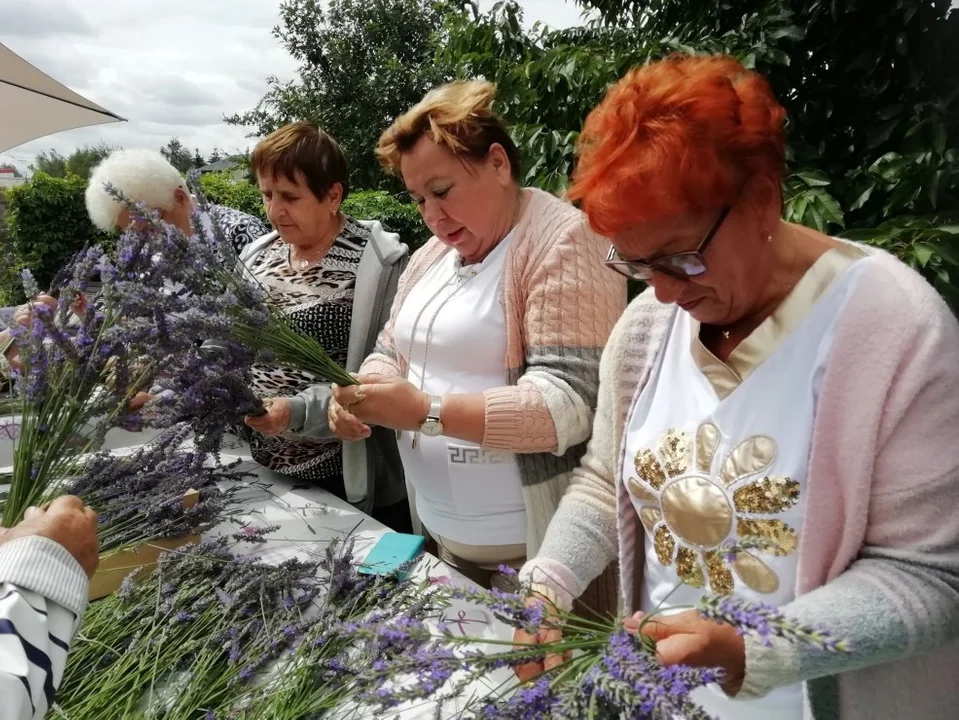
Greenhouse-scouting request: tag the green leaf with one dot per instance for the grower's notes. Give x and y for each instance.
(864, 197)
(830, 208)
(923, 253)
(948, 252)
(813, 178)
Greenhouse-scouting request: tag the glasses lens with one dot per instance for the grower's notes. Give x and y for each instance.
(688, 264)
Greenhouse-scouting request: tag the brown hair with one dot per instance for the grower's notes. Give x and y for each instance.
(303, 147)
(457, 116)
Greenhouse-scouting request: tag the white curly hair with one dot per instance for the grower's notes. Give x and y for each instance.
(140, 175)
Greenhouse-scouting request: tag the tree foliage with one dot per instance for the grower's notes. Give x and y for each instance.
(177, 155)
(362, 63)
(870, 87)
(80, 162)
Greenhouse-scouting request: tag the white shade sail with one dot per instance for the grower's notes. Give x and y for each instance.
(33, 104)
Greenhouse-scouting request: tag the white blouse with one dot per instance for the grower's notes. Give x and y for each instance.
(451, 331)
(717, 453)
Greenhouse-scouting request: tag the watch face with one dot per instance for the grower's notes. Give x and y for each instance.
(431, 428)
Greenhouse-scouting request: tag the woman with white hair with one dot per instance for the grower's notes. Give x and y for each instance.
(145, 176)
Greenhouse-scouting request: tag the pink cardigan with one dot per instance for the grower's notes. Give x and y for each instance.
(879, 551)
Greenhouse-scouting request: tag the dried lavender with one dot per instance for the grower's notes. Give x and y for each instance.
(766, 622)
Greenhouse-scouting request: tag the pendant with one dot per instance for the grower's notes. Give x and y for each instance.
(726, 334)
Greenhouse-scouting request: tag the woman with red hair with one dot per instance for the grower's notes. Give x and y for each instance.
(774, 389)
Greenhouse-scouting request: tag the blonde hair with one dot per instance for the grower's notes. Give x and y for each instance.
(307, 148)
(457, 116)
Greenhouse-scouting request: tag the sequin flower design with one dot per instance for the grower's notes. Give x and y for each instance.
(693, 510)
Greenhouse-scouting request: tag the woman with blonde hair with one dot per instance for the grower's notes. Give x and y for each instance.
(487, 368)
(776, 389)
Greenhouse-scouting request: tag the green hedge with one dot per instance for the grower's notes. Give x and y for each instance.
(396, 216)
(46, 223)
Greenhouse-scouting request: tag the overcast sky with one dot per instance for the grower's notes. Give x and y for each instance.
(172, 67)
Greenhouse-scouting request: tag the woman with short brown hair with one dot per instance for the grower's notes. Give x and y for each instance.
(334, 277)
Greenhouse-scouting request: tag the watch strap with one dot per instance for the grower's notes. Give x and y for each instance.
(436, 407)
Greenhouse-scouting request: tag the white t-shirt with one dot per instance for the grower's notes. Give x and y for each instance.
(452, 332)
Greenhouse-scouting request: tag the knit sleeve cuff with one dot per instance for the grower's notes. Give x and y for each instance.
(553, 580)
(47, 568)
(502, 417)
(379, 365)
(768, 667)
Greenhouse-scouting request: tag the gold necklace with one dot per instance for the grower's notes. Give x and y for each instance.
(304, 263)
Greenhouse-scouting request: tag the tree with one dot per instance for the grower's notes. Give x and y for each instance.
(869, 87)
(215, 156)
(50, 162)
(198, 160)
(177, 155)
(80, 162)
(362, 63)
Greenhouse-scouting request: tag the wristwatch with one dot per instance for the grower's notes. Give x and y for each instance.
(433, 426)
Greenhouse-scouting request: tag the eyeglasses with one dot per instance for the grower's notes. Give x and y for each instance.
(682, 265)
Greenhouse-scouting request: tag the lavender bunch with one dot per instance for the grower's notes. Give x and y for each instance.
(229, 637)
(203, 624)
(159, 298)
(607, 673)
(139, 497)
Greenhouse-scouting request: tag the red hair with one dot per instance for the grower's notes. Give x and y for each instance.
(680, 135)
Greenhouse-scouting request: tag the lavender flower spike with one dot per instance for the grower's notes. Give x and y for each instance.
(766, 622)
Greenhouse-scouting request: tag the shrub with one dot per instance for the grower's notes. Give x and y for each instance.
(45, 224)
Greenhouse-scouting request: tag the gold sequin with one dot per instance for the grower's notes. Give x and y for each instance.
(665, 544)
(649, 469)
(707, 440)
(688, 567)
(639, 492)
(720, 578)
(769, 495)
(649, 517)
(676, 450)
(751, 456)
(755, 573)
(782, 539)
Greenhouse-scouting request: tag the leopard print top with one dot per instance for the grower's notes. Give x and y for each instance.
(319, 303)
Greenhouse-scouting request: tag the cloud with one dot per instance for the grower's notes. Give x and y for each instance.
(43, 18)
(171, 67)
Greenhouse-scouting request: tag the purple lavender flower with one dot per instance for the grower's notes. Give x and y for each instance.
(766, 622)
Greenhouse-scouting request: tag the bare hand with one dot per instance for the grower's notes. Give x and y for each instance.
(67, 522)
(274, 421)
(80, 305)
(395, 404)
(546, 635)
(23, 315)
(344, 425)
(138, 401)
(687, 638)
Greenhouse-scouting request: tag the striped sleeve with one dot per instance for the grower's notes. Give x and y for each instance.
(36, 629)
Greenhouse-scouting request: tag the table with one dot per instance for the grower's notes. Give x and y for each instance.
(308, 519)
